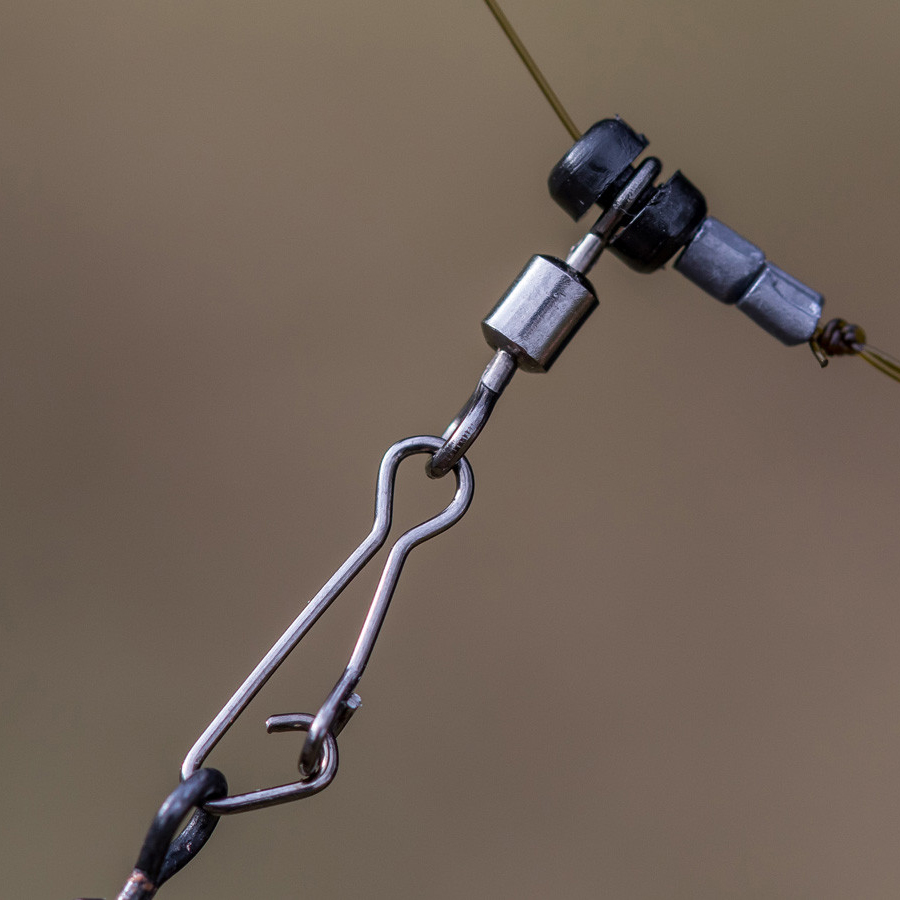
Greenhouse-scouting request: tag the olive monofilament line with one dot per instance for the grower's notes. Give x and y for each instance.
(881, 361)
(532, 67)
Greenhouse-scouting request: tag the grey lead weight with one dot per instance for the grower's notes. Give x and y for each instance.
(783, 306)
(733, 270)
(540, 313)
(720, 261)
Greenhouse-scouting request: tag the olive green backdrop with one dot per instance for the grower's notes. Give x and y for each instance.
(247, 246)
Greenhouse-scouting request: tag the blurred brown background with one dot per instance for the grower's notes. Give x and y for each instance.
(245, 247)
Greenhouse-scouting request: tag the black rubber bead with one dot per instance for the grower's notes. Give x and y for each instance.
(662, 226)
(596, 167)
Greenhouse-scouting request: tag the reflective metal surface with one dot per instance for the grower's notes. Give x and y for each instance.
(587, 251)
(540, 313)
(733, 270)
(460, 434)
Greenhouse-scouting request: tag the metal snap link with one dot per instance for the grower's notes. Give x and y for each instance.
(319, 757)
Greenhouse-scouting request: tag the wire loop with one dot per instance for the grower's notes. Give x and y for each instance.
(161, 856)
(460, 434)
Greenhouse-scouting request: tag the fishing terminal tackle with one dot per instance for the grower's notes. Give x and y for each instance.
(716, 258)
(646, 226)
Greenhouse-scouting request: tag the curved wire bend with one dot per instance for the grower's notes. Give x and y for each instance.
(460, 434)
(320, 746)
(161, 856)
(333, 708)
